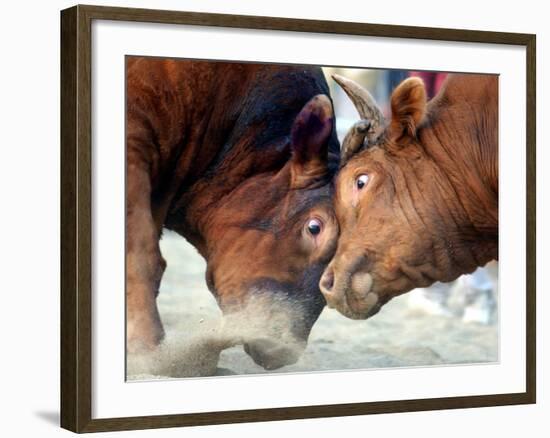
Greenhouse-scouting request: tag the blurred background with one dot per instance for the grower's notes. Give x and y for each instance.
(452, 323)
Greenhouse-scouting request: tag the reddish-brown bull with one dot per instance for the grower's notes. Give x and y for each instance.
(420, 203)
(235, 158)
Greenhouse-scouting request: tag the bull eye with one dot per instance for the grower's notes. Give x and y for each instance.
(362, 181)
(314, 226)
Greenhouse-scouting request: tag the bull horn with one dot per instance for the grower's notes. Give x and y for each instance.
(366, 131)
(355, 140)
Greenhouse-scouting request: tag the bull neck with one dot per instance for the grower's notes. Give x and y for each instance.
(458, 158)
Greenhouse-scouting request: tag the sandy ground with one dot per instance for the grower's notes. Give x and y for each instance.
(400, 335)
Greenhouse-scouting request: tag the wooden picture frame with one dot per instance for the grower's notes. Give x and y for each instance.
(76, 217)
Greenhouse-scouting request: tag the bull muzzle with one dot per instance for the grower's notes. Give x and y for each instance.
(350, 293)
(272, 354)
(272, 327)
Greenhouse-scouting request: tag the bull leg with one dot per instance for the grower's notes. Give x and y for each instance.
(144, 265)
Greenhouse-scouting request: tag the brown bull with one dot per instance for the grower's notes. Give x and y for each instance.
(420, 203)
(235, 158)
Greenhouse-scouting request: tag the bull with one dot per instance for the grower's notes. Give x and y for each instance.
(417, 196)
(238, 159)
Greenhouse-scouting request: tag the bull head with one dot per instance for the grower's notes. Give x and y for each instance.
(272, 239)
(413, 208)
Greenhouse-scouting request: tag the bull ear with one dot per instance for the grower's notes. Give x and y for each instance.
(309, 140)
(408, 106)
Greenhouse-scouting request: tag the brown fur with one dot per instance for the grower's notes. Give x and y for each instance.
(210, 155)
(430, 209)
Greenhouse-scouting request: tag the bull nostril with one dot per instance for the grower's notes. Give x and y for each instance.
(327, 281)
(361, 284)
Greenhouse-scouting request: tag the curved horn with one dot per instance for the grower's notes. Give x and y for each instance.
(366, 131)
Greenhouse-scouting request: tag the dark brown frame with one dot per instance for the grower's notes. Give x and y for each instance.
(76, 244)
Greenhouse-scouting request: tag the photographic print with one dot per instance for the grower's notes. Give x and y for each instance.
(325, 218)
(293, 218)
